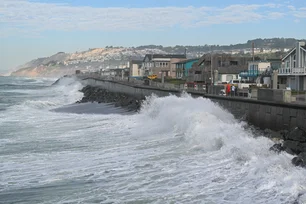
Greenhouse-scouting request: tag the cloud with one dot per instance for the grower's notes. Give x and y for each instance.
(38, 17)
(300, 13)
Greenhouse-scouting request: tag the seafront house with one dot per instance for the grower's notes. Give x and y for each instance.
(183, 67)
(135, 68)
(161, 63)
(217, 68)
(293, 70)
(255, 69)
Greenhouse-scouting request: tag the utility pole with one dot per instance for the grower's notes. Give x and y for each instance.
(211, 67)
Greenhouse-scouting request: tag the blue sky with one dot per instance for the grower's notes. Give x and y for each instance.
(36, 28)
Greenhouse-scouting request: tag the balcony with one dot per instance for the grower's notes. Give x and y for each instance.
(250, 73)
(292, 71)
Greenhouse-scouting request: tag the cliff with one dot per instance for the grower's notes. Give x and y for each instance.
(93, 59)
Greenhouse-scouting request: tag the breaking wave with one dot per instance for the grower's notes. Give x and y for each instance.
(232, 164)
(176, 149)
(66, 91)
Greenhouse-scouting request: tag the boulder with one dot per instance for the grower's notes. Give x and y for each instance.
(300, 160)
(96, 94)
(295, 146)
(277, 148)
(297, 134)
(296, 161)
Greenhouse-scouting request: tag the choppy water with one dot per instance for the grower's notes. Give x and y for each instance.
(176, 150)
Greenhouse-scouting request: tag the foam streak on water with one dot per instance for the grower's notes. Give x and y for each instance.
(180, 150)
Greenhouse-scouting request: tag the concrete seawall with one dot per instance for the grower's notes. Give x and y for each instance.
(263, 114)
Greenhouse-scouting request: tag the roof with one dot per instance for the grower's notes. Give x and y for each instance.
(292, 50)
(136, 61)
(231, 70)
(150, 56)
(187, 60)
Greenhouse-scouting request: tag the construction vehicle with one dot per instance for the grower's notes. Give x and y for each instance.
(152, 77)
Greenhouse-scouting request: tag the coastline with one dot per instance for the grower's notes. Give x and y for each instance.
(292, 141)
(100, 95)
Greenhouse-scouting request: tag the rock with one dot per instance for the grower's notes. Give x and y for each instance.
(295, 146)
(303, 156)
(276, 148)
(289, 151)
(300, 160)
(96, 94)
(297, 134)
(296, 161)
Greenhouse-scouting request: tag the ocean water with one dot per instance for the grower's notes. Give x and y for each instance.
(175, 150)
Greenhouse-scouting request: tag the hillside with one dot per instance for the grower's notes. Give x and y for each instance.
(114, 57)
(92, 59)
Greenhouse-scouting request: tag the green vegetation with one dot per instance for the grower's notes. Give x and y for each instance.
(271, 43)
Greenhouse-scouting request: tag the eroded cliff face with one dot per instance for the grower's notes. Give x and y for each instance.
(93, 59)
(42, 71)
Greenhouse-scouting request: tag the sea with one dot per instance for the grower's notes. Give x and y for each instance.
(174, 150)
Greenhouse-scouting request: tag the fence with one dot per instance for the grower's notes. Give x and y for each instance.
(252, 93)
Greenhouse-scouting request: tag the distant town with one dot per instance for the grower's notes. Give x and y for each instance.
(254, 61)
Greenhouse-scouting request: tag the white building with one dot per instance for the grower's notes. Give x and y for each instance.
(135, 68)
(293, 70)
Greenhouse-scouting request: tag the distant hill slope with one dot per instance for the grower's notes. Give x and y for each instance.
(111, 57)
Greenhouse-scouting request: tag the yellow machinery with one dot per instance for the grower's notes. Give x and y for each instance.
(153, 76)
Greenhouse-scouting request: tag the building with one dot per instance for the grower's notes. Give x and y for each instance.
(227, 66)
(116, 72)
(293, 70)
(135, 68)
(183, 67)
(226, 74)
(160, 63)
(255, 69)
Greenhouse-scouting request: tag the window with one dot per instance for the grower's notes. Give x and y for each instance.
(233, 62)
(164, 64)
(198, 72)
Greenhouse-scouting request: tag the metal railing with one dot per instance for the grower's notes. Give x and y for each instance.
(292, 71)
(297, 97)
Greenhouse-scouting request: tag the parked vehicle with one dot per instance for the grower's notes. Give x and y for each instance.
(241, 84)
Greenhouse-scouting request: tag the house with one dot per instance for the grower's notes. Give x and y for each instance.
(135, 68)
(255, 68)
(293, 70)
(158, 63)
(226, 74)
(183, 67)
(227, 66)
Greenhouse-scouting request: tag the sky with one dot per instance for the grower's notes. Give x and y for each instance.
(38, 28)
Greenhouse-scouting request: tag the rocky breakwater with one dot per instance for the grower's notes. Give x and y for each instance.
(96, 94)
(294, 142)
